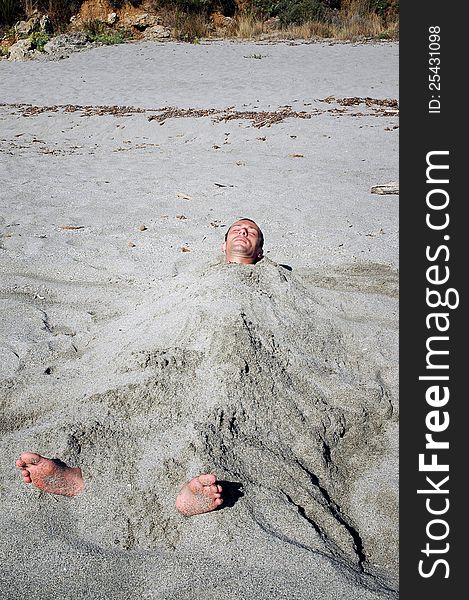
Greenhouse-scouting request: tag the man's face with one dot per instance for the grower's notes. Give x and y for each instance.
(243, 243)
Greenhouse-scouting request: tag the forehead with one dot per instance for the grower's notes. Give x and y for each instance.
(248, 224)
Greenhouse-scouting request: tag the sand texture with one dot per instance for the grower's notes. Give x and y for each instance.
(130, 349)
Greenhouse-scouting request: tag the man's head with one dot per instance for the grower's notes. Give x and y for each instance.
(243, 242)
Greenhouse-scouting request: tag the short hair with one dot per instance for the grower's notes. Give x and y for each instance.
(261, 237)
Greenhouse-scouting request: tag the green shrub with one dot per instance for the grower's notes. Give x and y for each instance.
(38, 40)
(95, 27)
(98, 31)
(110, 38)
(297, 12)
(265, 8)
(379, 6)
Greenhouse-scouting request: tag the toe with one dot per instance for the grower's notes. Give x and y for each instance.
(30, 458)
(218, 501)
(209, 490)
(207, 479)
(20, 464)
(220, 489)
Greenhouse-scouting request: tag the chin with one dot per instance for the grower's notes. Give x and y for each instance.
(241, 248)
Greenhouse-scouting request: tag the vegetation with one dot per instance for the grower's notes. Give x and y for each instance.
(38, 40)
(294, 12)
(192, 20)
(190, 27)
(100, 32)
(110, 38)
(339, 19)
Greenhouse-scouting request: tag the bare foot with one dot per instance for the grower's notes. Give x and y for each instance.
(200, 495)
(50, 475)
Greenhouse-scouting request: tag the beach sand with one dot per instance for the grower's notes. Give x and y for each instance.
(130, 349)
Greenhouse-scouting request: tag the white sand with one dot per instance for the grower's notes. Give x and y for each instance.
(145, 365)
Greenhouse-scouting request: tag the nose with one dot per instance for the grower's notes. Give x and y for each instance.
(243, 231)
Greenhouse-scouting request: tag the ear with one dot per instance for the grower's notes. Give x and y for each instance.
(223, 247)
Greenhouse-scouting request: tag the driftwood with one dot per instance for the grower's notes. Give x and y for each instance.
(386, 188)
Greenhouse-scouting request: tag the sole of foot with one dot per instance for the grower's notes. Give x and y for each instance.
(200, 495)
(50, 475)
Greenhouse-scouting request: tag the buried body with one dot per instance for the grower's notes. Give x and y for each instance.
(243, 245)
(245, 372)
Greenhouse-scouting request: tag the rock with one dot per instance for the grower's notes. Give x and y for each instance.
(67, 42)
(21, 50)
(25, 28)
(386, 188)
(144, 21)
(157, 32)
(112, 18)
(35, 23)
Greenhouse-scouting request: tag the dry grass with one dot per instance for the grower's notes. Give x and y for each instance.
(187, 27)
(193, 27)
(307, 31)
(353, 26)
(247, 27)
(391, 31)
(355, 21)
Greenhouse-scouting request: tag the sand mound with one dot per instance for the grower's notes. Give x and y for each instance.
(240, 370)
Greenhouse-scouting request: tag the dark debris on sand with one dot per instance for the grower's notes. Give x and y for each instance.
(379, 107)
